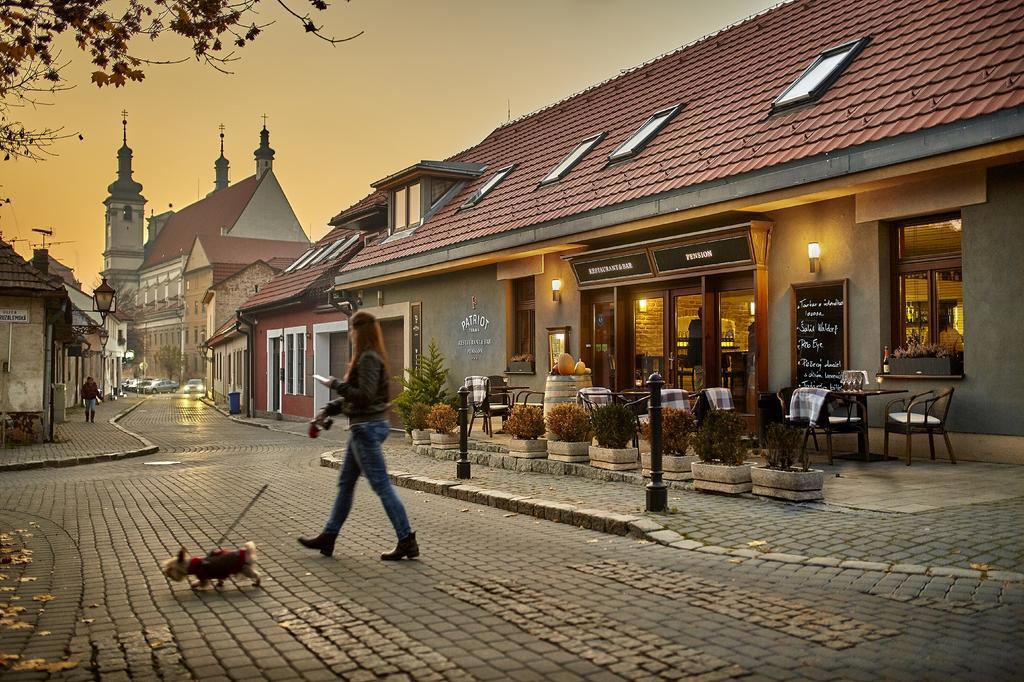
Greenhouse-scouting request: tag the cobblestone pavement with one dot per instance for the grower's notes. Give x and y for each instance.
(494, 595)
(74, 439)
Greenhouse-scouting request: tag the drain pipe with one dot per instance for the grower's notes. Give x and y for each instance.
(47, 419)
(250, 346)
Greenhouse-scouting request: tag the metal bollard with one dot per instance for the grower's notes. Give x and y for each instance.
(657, 493)
(462, 465)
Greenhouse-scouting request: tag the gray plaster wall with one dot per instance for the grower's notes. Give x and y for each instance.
(447, 302)
(987, 400)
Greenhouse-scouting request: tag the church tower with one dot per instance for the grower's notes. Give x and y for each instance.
(220, 166)
(264, 154)
(125, 215)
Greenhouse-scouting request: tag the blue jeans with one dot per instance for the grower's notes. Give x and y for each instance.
(364, 455)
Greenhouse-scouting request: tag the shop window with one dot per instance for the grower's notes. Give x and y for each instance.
(524, 322)
(928, 283)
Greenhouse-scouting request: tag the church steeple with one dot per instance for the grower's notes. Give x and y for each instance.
(221, 166)
(125, 188)
(264, 154)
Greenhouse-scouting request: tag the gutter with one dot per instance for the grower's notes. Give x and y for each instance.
(1005, 125)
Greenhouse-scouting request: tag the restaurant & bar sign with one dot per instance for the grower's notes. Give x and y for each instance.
(623, 266)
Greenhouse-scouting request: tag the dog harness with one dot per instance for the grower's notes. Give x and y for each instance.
(217, 565)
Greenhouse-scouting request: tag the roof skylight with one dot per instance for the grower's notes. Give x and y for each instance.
(574, 157)
(820, 75)
(643, 135)
(487, 187)
(301, 260)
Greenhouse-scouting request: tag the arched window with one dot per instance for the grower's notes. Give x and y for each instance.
(128, 213)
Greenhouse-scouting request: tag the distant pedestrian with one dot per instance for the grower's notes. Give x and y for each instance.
(364, 399)
(90, 394)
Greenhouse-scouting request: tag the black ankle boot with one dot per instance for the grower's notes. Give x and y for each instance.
(324, 542)
(406, 547)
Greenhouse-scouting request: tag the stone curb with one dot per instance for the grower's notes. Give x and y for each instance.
(247, 421)
(647, 529)
(148, 449)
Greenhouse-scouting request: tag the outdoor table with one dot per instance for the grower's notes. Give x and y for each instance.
(861, 397)
(511, 390)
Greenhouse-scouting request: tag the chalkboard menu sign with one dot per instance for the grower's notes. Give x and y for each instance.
(819, 334)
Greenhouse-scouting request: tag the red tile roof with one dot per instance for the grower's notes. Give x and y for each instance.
(228, 255)
(929, 63)
(223, 333)
(18, 273)
(207, 216)
(371, 201)
(289, 286)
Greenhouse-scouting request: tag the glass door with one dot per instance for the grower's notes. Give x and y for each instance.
(603, 351)
(687, 341)
(648, 337)
(738, 347)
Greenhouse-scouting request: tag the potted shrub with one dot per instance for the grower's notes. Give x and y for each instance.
(614, 428)
(780, 478)
(526, 426)
(929, 359)
(417, 423)
(521, 364)
(719, 444)
(443, 419)
(677, 431)
(569, 433)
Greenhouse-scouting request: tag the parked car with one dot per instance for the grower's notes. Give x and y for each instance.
(194, 387)
(130, 384)
(144, 385)
(164, 386)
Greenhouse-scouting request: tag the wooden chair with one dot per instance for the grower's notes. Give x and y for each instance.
(844, 415)
(921, 413)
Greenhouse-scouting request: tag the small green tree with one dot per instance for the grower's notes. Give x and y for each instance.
(426, 383)
(170, 360)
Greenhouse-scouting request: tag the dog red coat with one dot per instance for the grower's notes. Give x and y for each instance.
(217, 565)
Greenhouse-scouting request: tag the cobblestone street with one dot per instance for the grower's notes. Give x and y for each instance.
(494, 594)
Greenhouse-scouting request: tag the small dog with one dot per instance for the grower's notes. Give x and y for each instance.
(217, 565)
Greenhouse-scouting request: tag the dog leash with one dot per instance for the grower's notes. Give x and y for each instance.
(239, 518)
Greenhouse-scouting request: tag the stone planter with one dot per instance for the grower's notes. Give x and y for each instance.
(534, 448)
(719, 478)
(614, 459)
(421, 436)
(925, 366)
(444, 441)
(796, 486)
(673, 467)
(569, 451)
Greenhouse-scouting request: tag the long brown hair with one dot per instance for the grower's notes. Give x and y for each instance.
(366, 335)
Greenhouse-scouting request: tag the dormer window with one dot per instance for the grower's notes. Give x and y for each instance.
(644, 134)
(574, 157)
(820, 75)
(408, 209)
(479, 195)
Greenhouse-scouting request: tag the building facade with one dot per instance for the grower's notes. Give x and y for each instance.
(763, 208)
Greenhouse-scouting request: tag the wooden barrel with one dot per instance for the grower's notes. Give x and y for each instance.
(562, 389)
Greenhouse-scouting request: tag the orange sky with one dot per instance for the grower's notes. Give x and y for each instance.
(425, 81)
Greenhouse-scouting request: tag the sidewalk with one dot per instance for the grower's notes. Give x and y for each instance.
(78, 442)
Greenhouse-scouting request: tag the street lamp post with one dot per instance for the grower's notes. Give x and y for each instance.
(103, 301)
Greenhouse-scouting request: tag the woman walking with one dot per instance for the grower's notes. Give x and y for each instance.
(90, 394)
(364, 399)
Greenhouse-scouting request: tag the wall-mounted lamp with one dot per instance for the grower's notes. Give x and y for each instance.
(814, 254)
(753, 307)
(641, 305)
(556, 290)
(380, 297)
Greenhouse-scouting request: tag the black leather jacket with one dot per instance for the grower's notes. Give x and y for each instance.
(364, 396)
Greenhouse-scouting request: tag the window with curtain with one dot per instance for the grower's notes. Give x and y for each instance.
(524, 320)
(928, 283)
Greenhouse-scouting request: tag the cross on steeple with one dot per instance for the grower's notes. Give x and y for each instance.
(221, 128)
(124, 125)
(264, 121)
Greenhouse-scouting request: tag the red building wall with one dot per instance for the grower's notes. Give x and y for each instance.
(294, 316)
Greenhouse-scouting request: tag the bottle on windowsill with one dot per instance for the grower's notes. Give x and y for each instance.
(885, 360)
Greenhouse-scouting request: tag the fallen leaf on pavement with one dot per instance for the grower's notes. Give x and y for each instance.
(510, 514)
(94, 606)
(43, 633)
(7, 658)
(3, 577)
(14, 610)
(20, 625)
(757, 543)
(87, 621)
(464, 510)
(6, 589)
(27, 580)
(735, 561)
(980, 567)
(31, 664)
(58, 666)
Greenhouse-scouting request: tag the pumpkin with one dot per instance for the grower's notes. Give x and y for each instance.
(565, 364)
(580, 368)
